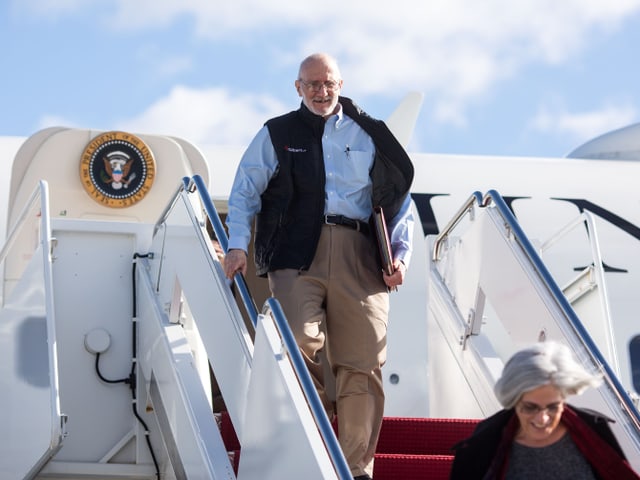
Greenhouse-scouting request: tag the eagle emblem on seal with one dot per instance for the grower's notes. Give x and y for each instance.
(117, 170)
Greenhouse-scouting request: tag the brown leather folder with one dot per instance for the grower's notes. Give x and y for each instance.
(384, 243)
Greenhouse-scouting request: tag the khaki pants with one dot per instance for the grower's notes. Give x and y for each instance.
(343, 289)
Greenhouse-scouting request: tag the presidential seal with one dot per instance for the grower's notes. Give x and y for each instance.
(117, 169)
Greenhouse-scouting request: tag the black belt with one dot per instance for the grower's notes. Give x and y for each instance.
(358, 225)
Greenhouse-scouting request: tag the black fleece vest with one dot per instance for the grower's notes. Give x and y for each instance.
(289, 223)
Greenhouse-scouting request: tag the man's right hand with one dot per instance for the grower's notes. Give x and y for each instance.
(235, 261)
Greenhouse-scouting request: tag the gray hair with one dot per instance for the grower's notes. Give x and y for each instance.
(542, 364)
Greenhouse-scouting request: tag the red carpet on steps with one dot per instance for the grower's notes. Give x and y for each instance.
(408, 449)
(418, 448)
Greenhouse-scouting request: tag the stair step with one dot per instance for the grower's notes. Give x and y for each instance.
(420, 436)
(390, 466)
(227, 431)
(408, 448)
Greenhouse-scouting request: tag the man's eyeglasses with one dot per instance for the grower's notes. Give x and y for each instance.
(529, 408)
(330, 85)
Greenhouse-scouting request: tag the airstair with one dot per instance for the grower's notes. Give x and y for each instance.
(114, 319)
(115, 324)
(490, 294)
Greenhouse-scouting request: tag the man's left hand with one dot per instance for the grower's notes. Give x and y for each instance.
(400, 269)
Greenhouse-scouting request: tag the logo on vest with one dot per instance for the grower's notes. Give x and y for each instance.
(294, 150)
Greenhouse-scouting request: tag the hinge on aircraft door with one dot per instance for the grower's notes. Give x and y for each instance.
(53, 244)
(468, 328)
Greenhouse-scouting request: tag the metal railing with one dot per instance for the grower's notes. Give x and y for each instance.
(587, 219)
(517, 234)
(38, 194)
(272, 307)
(467, 207)
(597, 358)
(36, 207)
(221, 236)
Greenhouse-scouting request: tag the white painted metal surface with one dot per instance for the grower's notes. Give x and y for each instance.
(451, 327)
(33, 422)
(496, 297)
(280, 438)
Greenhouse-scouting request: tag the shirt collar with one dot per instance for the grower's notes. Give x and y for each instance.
(340, 115)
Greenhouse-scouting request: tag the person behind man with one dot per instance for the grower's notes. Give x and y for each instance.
(537, 434)
(311, 179)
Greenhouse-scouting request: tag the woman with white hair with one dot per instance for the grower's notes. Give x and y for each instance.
(537, 434)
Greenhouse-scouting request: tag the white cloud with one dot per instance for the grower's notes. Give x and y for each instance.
(457, 47)
(47, 121)
(208, 116)
(582, 126)
(454, 51)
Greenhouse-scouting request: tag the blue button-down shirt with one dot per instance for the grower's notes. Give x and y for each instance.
(348, 157)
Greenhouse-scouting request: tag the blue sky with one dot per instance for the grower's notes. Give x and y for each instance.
(499, 77)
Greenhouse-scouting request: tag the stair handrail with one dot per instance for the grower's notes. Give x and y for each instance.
(38, 202)
(223, 239)
(184, 185)
(492, 196)
(467, 207)
(587, 218)
(273, 307)
(17, 226)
